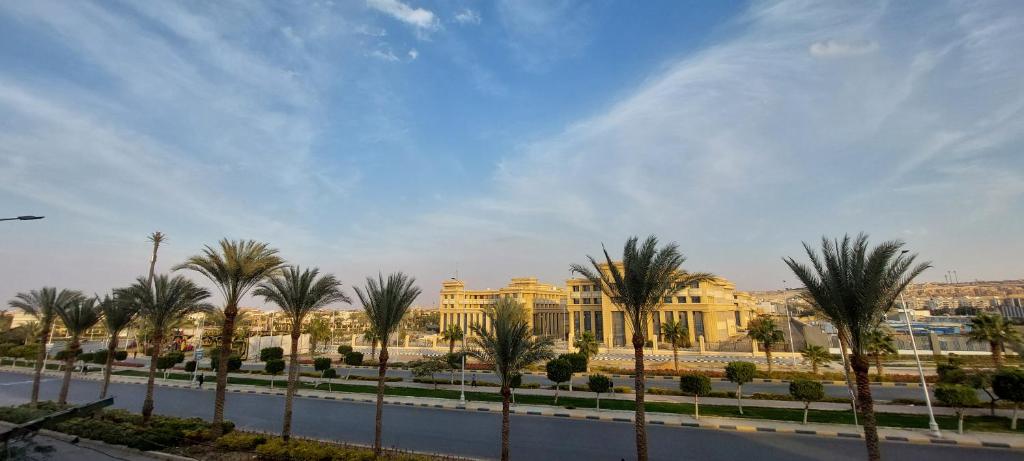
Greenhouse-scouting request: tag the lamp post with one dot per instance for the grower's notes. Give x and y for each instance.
(789, 323)
(920, 370)
(197, 354)
(23, 218)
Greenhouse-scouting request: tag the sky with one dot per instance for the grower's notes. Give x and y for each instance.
(506, 138)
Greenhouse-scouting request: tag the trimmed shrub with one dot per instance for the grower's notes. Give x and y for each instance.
(577, 361)
(271, 353)
(740, 373)
(599, 384)
(166, 361)
(558, 371)
(190, 366)
(344, 349)
(274, 366)
(697, 385)
(959, 397)
(330, 373)
(1008, 384)
(100, 357)
(806, 391)
(234, 362)
(121, 355)
(321, 363)
(354, 358)
(240, 441)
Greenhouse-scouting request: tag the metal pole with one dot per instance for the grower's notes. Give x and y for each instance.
(462, 391)
(920, 370)
(789, 323)
(199, 347)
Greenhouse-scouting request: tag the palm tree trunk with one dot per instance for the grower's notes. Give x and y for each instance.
(861, 369)
(293, 382)
(675, 356)
(997, 353)
(382, 371)
(846, 371)
(147, 404)
(739, 397)
(814, 367)
(878, 366)
(44, 337)
(69, 363)
(111, 348)
(768, 357)
(640, 424)
(505, 393)
(226, 333)
(451, 347)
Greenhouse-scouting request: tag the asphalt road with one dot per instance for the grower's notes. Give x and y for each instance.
(476, 434)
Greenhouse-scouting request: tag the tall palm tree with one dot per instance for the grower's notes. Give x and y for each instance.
(298, 293)
(118, 314)
(241, 327)
(235, 267)
(508, 348)
(766, 332)
(677, 335)
(816, 356)
(385, 303)
(162, 305)
(452, 334)
(43, 304)
(996, 331)
(157, 238)
(77, 317)
(646, 275)
(880, 343)
(854, 286)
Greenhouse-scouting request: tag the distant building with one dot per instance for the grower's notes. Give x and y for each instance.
(545, 305)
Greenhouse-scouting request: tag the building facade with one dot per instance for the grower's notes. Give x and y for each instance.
(545, 305)
(713, 310)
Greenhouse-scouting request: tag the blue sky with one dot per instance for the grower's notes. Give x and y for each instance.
(506, 138)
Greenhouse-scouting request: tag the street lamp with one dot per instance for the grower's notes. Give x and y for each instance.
(789, 323)
(23, 218)
(920, 370)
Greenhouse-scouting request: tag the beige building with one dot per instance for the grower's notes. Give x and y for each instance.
(545, 305)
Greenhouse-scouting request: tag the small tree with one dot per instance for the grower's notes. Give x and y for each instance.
(344, 349)
(766, 332)
(330, 374)
(982, 380)
(273, 367)
(698, 385)
(515, 382)
(353, 359)
(806, 391)
(677, 336)
(121, 356)
(1008, 384)
(234, 362)
(100, 357)
(454, 361)
(816, 356)
(559, 371)
(879, 344)
(190, 366)
(740, 373)
(586, 345)
(579, 363)
(957, 396)
(599, 384)
(429, 367)
(271, 353)
(166, 361)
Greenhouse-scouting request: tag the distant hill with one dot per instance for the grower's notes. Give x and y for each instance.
(1000, 288)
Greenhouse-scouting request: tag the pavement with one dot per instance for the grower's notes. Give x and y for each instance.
(440, 425)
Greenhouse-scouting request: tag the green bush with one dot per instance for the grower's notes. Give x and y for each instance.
(190, 366)
(276, 448)
(695, 384)
(121, 355)
(100, 357)
(64, 354)
(957, 396)
(86, 357)
(234, 362)
(240, 441)
(577, 361)
(321, 363)
(1008, 384)
(330, 373)
(271, 353)
(354, 358)
(166, 361)
(274, 366)
(344, 349)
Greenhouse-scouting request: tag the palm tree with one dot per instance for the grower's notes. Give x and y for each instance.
(371, 337)
(647, 273)
(319, 332)
(853, 286)
(677, 335)
(508, 348)
(241, 327)
(452, 334)
(766, 332)
(32, 330)
(879, 343)
(587, 345)
(385, 303)
(235, 267)
(118, 314)
(299, 293)
(816, 356)
(77, 317)
(157, 238)
(162, 305)
(996, 331)
(44, 305)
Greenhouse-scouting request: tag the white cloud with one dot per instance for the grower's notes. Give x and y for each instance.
(543, 32)
(467, 16)
(413, 54)
(422, 19)
(383, 55)
(837, 48)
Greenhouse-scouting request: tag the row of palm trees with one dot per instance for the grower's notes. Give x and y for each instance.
(850, 284)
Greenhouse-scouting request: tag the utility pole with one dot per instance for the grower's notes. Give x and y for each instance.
(920, 370)
(789, 323)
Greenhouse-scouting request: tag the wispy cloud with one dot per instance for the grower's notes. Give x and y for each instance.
(423, 20)
(543, 32)
(467, 16)
(837, 48)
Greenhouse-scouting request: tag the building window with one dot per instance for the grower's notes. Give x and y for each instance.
(737, 318)
(682, 300)
(694, 284)
(695, 299)
(575, 288)
(575, 300)
(618, 329)
(586, 287)
(669, 316)
(576, 323)
(598, 327)
(666, 299)
(587, 326)
(698, 323)
(657, 326)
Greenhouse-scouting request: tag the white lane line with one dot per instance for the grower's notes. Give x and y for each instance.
(27, 382)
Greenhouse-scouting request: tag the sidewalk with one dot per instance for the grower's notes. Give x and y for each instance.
(973, 439)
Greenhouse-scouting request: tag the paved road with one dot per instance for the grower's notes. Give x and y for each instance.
(879, 392)
(476, 434)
